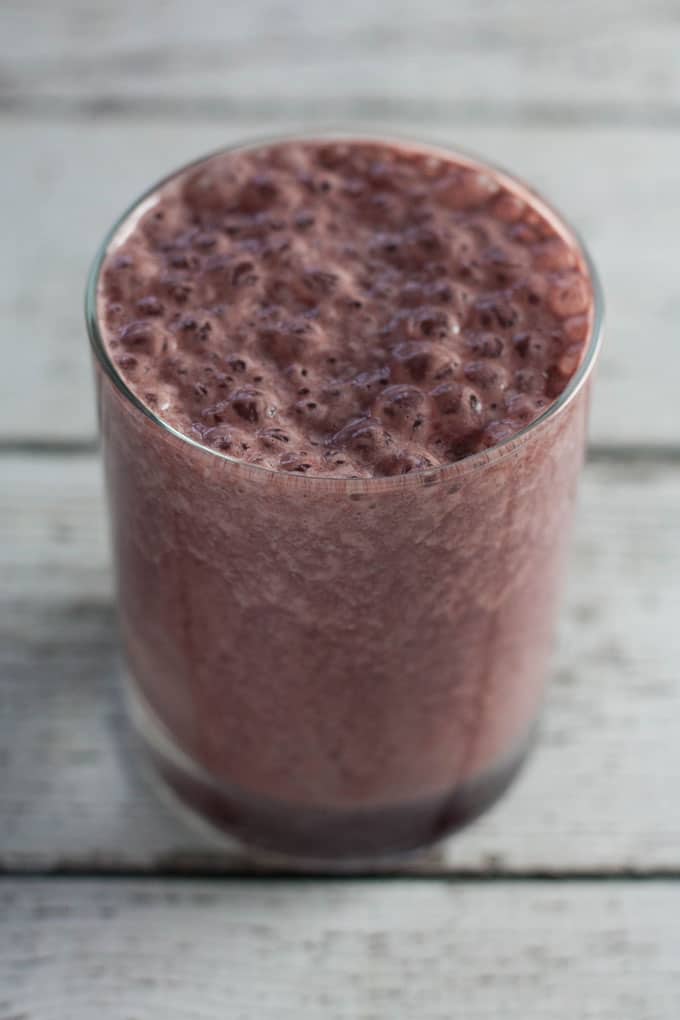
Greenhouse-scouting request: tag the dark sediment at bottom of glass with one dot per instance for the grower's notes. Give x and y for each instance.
(317, 834)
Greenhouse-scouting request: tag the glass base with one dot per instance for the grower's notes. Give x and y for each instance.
(313, 834)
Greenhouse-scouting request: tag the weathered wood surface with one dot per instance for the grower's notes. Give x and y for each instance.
(600, 794)
(64, 183)
(96, 101)
(581, 58)
(339, 950)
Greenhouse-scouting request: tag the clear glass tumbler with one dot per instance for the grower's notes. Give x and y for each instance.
(337, 668)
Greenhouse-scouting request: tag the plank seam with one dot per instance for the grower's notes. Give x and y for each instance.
(452, 876)
(358, 108)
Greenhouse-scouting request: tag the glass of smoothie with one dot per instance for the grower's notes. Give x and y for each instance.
(343, 387)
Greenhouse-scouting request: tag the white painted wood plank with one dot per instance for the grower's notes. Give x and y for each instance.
(600, 793)
(63, 184)
(342, 951)
(318, 55)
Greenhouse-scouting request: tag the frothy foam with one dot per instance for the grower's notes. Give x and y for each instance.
(350, 308)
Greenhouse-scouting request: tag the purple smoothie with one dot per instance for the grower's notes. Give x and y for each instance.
(340, 482)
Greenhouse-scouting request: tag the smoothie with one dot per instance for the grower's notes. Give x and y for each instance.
(343, 405)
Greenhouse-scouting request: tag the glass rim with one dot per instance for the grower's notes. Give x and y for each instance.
(434, 474)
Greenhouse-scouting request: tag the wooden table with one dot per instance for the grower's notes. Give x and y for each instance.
(565, 901)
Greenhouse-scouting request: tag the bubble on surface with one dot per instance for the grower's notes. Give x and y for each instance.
(553, 254)
(570, 360)
(400, 406)
(498, 432)
(249, 404)
(447, 397)
(150, 305)
(403, 463)
(485, 345)
(520, 408)
(413, 361)
(569, 296)
(273, 437)
(576, 328)
(138, 333)
(486, 375)
(363, 436)
(508, 208)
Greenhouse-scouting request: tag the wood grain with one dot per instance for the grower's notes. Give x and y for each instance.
(365, 951)
(65, 183)
(98, 100)
(601, 60)
(599, 795)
